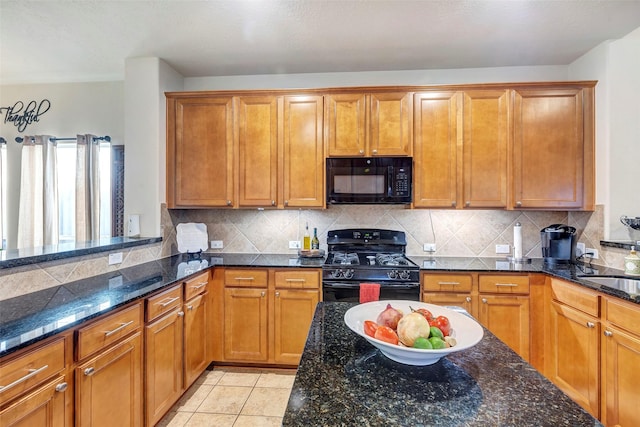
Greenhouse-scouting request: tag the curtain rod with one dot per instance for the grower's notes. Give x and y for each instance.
(107, 138)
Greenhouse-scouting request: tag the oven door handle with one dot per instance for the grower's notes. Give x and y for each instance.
(357, 285)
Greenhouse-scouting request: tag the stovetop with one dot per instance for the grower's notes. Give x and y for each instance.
(368, 259)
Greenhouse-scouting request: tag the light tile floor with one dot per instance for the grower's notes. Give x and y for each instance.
(233, 397)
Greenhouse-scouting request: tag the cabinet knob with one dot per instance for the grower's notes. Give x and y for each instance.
(361, 151)
(590, 325)
(286, 203)
(468, 299)
(518, 204)
(467, 204)
(180, 313)
(89, 371)
(375, 151)
(608, 333)
(262, 293)
(229, 203)
(61, 387)
(453, 204)
(484, 300)
(277, 293)
(273, 203)
(190, 307)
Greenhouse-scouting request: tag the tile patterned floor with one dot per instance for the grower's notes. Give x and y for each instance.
(233, 397)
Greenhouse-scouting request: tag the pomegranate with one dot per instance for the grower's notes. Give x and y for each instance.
(389, 317)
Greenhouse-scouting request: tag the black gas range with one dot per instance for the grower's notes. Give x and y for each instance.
(368, 256)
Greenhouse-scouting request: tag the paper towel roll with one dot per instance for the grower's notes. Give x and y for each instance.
(517, 241)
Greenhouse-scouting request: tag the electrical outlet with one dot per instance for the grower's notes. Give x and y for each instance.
(429, 247)
(580, 248)
(115, 258)
(503, 249)
(294, 244)
(217, 244)
(593, 253)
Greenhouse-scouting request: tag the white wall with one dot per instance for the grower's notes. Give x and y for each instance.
(76, 108)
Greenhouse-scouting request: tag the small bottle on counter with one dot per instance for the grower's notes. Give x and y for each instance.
(632, 263)
(315, 243)
(306, 240)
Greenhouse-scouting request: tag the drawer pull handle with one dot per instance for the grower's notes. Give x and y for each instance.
(448, 283)
(168, 301)
(590, 325)
(61, 387)
(200, 285)
(89, 371)
(510, 285)
(118, 329)
(32, 373)
(296, 280)
(244, 278)
(608, 333)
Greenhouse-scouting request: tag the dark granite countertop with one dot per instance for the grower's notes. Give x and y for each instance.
(343, 380)
(29, 318)
(17, 257)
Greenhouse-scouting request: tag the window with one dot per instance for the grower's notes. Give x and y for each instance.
(67, 190)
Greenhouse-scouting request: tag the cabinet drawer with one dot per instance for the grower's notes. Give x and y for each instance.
(164, 302)
(249, 278)
(105, 332)
(31, 369)
(504, 284)
(575, 296)
(298, 279)
(623, 315)
(447, 282)
(195, 286)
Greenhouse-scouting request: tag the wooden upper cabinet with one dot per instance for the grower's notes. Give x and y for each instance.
(257, 151)
(485, 145)
(436, 149)
(553, 164)
(303, 152)
(377, 124)
(200, 152)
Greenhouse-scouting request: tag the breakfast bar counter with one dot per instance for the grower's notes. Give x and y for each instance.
(343, 380)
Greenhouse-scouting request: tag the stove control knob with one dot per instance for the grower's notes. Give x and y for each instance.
(404, 275)
(336, 274)
(348, 274)
(392, 274)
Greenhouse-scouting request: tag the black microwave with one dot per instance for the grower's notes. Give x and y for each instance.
(361, 180)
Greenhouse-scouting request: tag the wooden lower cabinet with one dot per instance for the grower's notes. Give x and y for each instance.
(507, 317)
(44, 407)
(109, 386)
(196, 357)
(163, 371)
(293, 313)
(575, 343)
(245, 325)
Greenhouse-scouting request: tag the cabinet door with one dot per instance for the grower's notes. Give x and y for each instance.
(257, 151)
(391, 119)
(200, 153)
(346, 124)
(465, 301)
(303, 155)
(621, 378)
(436, 150)
(549, 152)
(45, 407)
(109, 386)
(485, 142)
(163, 372)
(574, 343)
(293, 314)
(245, 325)
(196, 359)
(507, 317)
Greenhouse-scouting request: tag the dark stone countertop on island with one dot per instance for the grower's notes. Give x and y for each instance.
(343, 380)
(29, 318)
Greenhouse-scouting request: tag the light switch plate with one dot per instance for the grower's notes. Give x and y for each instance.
(115, 258)
(580, 248)
(217, 244)
(503, 249)
(429, 247)
(294, 244)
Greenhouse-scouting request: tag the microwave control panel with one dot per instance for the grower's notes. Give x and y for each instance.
(401, 184)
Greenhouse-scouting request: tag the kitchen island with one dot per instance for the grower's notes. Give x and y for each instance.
(343, 380)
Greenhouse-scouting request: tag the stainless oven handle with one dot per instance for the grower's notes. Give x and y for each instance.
(341, 285)
(357, 285)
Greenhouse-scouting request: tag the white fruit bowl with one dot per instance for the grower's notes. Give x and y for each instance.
(465, 330)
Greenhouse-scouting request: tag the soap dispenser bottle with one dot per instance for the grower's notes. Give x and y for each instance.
(632, 263)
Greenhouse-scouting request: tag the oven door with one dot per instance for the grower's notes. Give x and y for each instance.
(350, 291)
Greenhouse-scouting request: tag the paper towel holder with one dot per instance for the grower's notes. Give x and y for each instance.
(517, 242)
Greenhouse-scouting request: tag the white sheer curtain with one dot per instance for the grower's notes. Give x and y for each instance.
(38, 209)
(87, 189)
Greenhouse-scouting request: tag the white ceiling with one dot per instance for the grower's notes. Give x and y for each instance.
(89, 40)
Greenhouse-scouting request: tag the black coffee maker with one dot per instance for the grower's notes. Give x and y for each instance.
(558, 244)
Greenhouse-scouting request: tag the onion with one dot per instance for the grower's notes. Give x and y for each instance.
(412, 326)
(389, 317)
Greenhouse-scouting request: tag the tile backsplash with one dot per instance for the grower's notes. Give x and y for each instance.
(464, 233)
